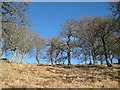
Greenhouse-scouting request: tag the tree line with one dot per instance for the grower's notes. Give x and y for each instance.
(89, 39)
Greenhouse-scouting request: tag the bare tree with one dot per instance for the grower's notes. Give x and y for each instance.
(67, 34)
(38, 45)
(11, 38)
(56, 49)
(13, 16)
(94, 37)
(115, 8)
(103, 28)
(86, 40)
(26, 42)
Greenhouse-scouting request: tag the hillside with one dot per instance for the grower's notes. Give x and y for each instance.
(15, 75)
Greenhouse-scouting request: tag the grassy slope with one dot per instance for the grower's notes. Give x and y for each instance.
(40, 76)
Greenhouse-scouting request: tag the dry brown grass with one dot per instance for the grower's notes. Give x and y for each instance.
(44, 76)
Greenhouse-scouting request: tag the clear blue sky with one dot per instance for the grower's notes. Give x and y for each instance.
(46, 18)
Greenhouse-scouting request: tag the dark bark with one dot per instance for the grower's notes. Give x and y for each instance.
(105, 52)
(111, 56)
(111, 60)
(90, 60)
(68, 51)
(119, 60)
(101, 60)
(51, 56)
(37, 57)
(85, 59)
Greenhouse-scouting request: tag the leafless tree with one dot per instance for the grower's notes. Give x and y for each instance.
(39, 44)
(67, 34)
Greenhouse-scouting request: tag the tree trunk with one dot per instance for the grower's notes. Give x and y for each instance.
(119, 60)
(105, 52)
(2, 51)
(51, 59)
(101, 60)
(68, 51)
(13, 56)
(90, 59)
(111, 59)
(94, 58)
(17, 57)
(85, 59)
(23, 57)
(69, 61)
(37, 57)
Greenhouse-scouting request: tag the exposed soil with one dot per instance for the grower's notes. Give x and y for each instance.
(13, 75)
